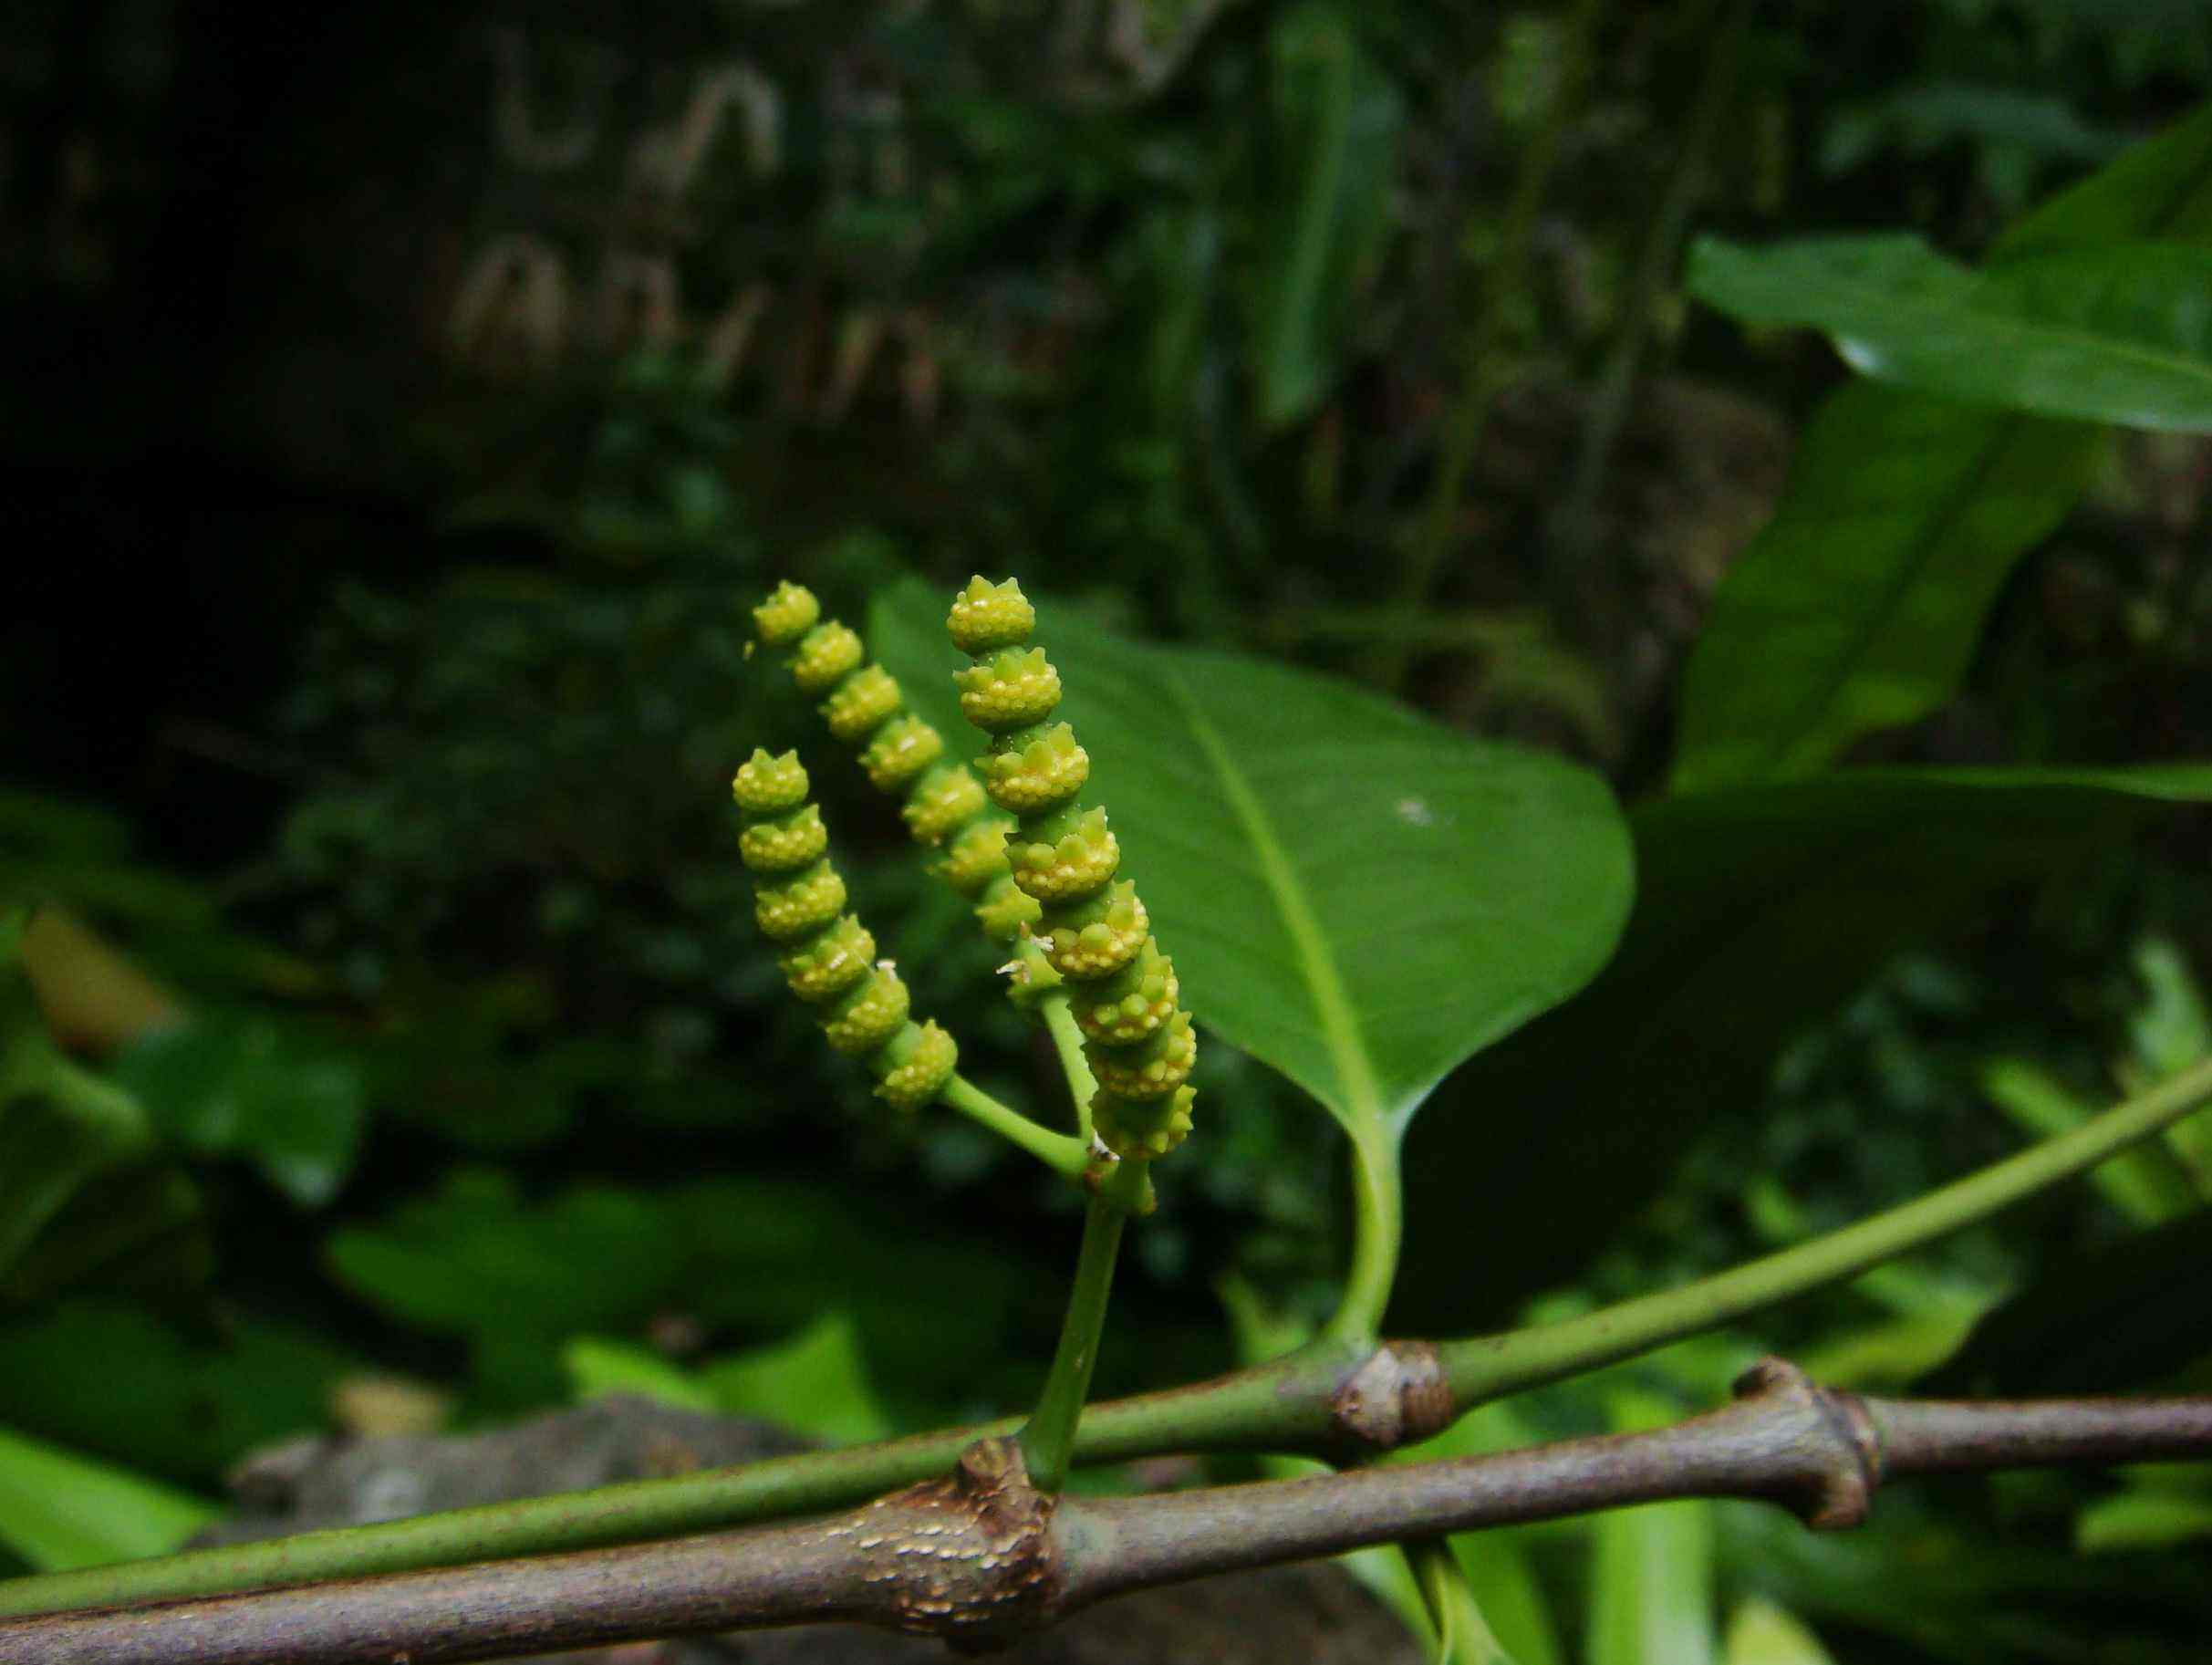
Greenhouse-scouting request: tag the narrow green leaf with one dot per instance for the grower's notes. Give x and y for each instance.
(1463, 1635)
(1858, 606)
(1759, 911)
(1651, 1598)
(2117, 334)
(1334, 122)
(60, 1510)
(1351, 894)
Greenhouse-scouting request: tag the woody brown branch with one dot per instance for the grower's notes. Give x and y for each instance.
(980, 1557)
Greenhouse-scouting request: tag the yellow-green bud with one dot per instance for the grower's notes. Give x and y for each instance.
(986, 616)
(786, 615)
(832, 962)
(801, 905)
(827, 655)
(769, 785)
(1081, 861)
(1010, 689)
(915, 1065)
(1151, 1069)
(977, 856)
(1138, 1131)
(782, 843)
(946, 800)
(1050, 769)
(1098, 936)
(860, 703)
(869, 1016)
(1129, 1005)
(903, 748)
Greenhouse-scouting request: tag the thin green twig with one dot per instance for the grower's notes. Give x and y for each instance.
(1062, 1152)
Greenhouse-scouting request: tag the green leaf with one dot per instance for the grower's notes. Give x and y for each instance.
(1759, 911)
(243, 1085)
(1351, 894)
(598, 1367)
(475, 1256)
(2143, 1517)
(1651, 1600)
(60, 1510)
(1335, 120)
(2116, 334)
(817, 1382)
(1858, 606)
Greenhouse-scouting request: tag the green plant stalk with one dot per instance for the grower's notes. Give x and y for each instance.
(1280, 1406)
(1048, 1437)
(1489, 1367)
(1377, 1232)
(1062, 1152)
(1067, 1041)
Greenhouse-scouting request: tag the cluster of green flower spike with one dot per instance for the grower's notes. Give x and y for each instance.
(1092, 927)
(828, 956)
(902, 753)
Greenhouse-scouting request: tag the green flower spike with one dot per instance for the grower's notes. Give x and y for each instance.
(829, 959)
(1063, 859)
(944, 803)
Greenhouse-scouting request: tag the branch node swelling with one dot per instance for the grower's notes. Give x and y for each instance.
(969, 1558)
(1835, 1435)
(1397, 1396)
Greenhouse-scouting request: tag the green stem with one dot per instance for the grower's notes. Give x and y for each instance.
(1067, 1041)
(1048, 1437)
(1280, 1406)
(1489, 1367)
(1377, 1228)
(1060, 1151)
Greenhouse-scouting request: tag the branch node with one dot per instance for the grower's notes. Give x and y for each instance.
(969, 1558)
(1399, 1396)
(1835, 1436)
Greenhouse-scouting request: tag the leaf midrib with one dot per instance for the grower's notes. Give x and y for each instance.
(1340, 1028)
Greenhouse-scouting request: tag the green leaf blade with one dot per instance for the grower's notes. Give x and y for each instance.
(2120, 334)
(1857, 606)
